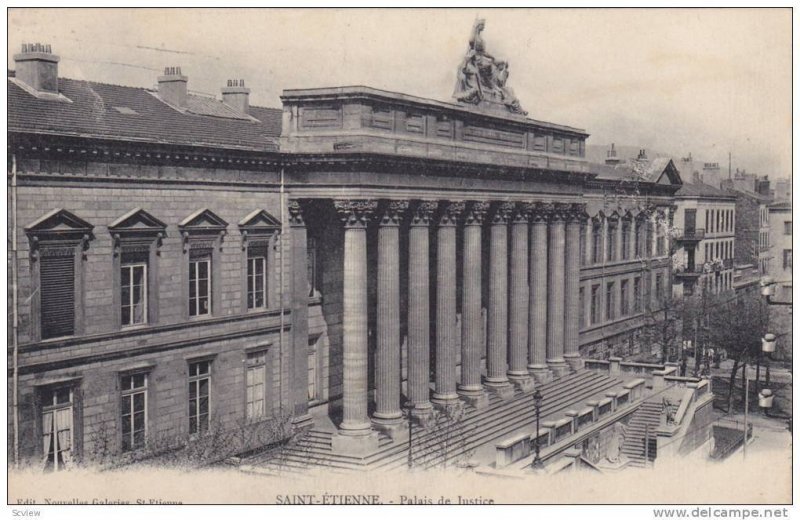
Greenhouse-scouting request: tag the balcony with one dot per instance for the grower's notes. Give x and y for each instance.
(690, 235)
(688, 272)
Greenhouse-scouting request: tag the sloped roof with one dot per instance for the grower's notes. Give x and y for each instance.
(647, 171)
(698, 189)
(107, 111)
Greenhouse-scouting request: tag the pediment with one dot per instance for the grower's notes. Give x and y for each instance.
(137, 220)
(59, 222)
(260, 221)
(203, 220)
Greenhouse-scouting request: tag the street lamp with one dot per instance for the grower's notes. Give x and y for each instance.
(768, 291)
(537, 406)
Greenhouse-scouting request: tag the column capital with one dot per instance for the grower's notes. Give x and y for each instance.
(449, 211)
(557, 212)
(502, 212)
(521, 213)
(391, 212)
(576, 213)
(538, 212)
(475, 213)
(421, 212)
(296, 217)
(355, 213)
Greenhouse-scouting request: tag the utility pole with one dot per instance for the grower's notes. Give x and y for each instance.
(746, 408)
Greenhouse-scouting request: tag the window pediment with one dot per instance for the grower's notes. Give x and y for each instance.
(204, 224)
(58, 228)
(259, 223)
(136, 227)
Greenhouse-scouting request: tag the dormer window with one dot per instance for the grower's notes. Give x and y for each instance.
(137, 236)
(58, 240)
(202, 233)
(259, 232)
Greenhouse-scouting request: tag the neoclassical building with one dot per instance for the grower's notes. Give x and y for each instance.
(185, 263)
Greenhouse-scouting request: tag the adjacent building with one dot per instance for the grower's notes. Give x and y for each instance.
(752, 228)
(705, 239)
(780, 224)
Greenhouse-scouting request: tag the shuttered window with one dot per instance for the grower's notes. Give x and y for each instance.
(57, 286)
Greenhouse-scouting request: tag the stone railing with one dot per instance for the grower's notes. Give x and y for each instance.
(615, 367)
(555, 434)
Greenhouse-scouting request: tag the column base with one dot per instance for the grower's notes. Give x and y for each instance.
(501, 388)
(575, 361)
(387, 420)
(558, 367)
(444, 399)
(355, 429)
(395, 428)
(523, 383)
(475, 397)
(355, 445)
(541, 374)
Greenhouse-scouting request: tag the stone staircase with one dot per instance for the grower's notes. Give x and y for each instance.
(475, 428)
(648, 414)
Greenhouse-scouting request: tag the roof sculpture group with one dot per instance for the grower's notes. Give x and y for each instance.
(481, 78)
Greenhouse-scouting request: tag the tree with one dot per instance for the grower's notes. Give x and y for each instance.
(737, 325)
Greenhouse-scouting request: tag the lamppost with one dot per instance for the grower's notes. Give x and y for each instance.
(537, 406)
(768, 291)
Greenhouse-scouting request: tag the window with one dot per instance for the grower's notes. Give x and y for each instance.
(626, 239)
(313, 270)
(582, 238)
(57, 241)
(257, 277)
(623, 298)
(134, 411)
(651, 236)
(611, 240)
(133, 287)
(610, 314)
(659, 287)
(595, 309)
(597, 242)
(637, 294)
(638, 239)
(57, 287)
(582, 309)
(660, 244)
(57, 426)
(199, 382)
(787, 259)
(787, 227)
(199, 283)
(256, 385)
(708, 221)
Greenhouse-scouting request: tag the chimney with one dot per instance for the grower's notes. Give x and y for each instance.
(37, 67)
(172, 87)
(642, 155)
(236, 96)
(611, 156)
(696, 177)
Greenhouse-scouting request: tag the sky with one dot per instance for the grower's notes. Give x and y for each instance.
(705, 81)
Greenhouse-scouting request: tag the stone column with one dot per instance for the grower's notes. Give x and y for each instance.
(555, 293)
(387, 356)
(419, 306)
(632, 253)
(497, 339)
(537, 309)
(518, 314)
(445, 379)
(572, 311)
(355, 214)
(299, 303)
(471, 320)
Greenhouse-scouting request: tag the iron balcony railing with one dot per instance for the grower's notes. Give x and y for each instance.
(690, 234)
